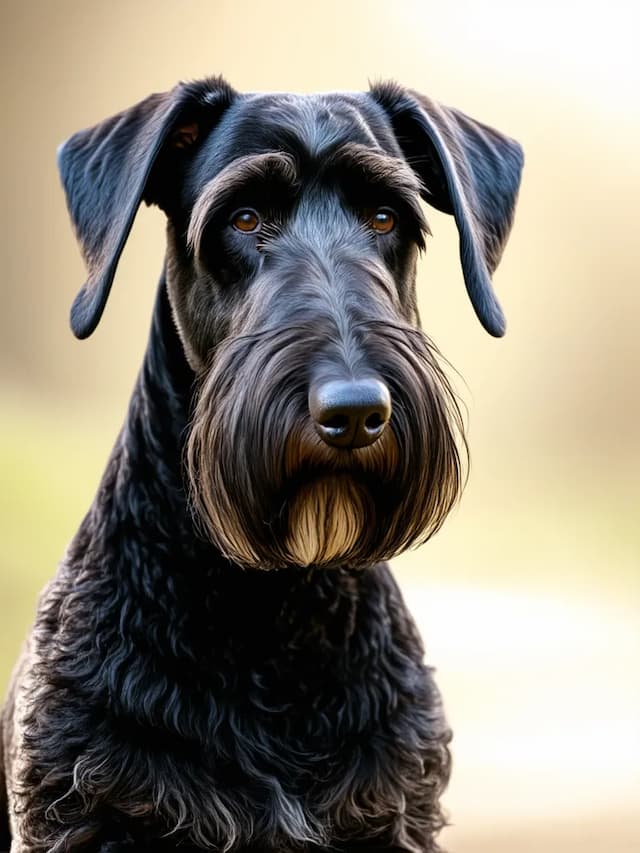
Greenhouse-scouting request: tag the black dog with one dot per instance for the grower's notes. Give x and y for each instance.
(289, 416)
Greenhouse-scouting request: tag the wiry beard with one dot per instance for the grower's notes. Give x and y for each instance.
(270, 494)
(326, 519)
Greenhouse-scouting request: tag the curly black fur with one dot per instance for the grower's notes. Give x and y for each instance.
(173, 694)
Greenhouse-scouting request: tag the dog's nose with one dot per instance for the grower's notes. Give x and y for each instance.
(350, 412)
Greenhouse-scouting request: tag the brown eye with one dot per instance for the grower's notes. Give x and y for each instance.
(383, 220)
(246, 221)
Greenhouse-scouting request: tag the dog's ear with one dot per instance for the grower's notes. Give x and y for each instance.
(108, 169)
(468, 170)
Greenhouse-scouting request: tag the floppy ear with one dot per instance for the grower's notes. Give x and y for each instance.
(466, 169)
(108, 169)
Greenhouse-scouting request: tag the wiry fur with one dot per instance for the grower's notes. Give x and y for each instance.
(173, 694)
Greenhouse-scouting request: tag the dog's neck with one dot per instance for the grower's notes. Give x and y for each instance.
(142, 494)
(160, 406)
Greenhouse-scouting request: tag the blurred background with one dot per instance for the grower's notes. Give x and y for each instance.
(529, 598)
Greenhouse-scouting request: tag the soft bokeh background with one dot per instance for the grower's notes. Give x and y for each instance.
(529, 598)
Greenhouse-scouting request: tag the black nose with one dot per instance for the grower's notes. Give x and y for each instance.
(350, 412)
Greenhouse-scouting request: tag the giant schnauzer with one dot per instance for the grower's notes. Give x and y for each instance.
(223, 660)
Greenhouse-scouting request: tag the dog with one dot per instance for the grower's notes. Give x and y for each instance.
(223, 660)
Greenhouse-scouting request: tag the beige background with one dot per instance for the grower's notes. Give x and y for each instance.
(528, 599)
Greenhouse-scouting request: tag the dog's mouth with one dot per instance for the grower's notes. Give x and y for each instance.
(308, 458)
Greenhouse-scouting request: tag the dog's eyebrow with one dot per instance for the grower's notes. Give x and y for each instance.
(376, 167)
(253, 168)
(381, 169)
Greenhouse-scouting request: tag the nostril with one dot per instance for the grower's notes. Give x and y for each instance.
(338, 423)
(374, 421)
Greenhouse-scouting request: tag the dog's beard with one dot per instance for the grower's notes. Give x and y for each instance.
(270, 494)
(326, 520)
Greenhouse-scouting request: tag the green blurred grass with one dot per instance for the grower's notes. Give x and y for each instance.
(49, 469)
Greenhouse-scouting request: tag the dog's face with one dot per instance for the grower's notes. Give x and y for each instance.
(303, 223)
(324, 431)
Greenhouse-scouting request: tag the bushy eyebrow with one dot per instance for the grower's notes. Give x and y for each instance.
(380, 170)
(251, 169)
(375, 166)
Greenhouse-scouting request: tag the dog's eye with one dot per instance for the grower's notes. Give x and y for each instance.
(246, 220)
(383, 220)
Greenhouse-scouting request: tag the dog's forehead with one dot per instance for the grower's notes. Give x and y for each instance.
(308, 126)
(319, 121)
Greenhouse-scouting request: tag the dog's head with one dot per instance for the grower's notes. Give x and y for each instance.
(324, 431)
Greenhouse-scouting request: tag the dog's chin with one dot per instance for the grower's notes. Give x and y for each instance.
(327, 521)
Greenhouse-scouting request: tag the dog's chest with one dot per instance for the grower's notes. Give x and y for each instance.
(278, 724)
